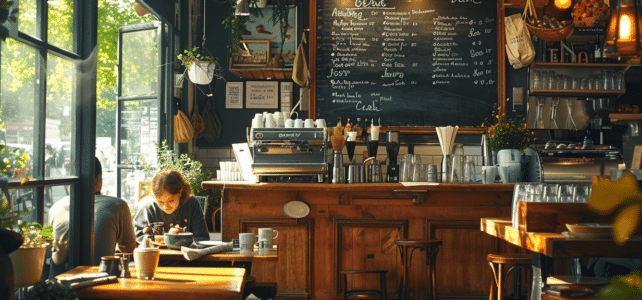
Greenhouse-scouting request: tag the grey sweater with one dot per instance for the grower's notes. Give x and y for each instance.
(188, 214)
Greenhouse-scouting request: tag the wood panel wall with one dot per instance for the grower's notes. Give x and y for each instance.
(355, 226)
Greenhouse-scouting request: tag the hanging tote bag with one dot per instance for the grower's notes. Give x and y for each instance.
(519, 46)
(197, 121)
(183, 131)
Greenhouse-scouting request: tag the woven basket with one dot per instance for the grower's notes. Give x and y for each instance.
(544, 34)
(550, 34)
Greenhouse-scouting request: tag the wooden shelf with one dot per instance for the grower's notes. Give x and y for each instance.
(260, 72)
(625, 116)
(577, 93)
(539, 65)
(263, 73)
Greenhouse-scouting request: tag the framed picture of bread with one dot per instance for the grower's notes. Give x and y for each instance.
(254, 53)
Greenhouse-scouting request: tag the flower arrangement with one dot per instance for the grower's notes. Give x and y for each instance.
(508, 133)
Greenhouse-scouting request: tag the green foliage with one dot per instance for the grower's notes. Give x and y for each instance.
(50, 290)
(191, 169)
(234, 24)
(508, 133)
(280, 16)
(189, 57)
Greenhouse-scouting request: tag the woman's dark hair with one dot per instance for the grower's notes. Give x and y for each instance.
(99, 167)
(172, 182)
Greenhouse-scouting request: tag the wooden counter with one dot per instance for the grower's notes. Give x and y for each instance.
(354, 226)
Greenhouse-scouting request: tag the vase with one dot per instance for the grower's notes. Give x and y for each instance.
(201, 72)
(27, 265)
(512, 159)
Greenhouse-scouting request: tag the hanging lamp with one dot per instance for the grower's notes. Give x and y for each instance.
(242, 8)
(625, 26)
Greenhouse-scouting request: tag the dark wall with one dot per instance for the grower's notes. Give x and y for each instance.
(234, 121)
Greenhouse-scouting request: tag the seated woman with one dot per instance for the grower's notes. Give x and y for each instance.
(171, 202)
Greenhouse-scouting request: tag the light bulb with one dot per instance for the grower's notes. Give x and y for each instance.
(562, 4)
(625, 28)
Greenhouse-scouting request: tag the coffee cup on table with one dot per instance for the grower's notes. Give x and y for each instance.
(266, 237)
(146, 260)
(247, 242)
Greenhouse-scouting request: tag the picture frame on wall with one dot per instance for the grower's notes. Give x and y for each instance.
(636, 163)
(254, 53)
(261, 27)
(234, 95)
(262, 94)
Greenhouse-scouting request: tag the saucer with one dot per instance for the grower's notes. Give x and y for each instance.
(599, 236)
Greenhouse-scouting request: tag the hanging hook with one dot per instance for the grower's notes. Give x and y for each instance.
(204, 12)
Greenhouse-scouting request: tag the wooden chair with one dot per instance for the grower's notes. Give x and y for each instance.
(381, 293)
(511, 261)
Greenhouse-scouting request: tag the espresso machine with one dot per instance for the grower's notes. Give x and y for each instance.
(288, 154)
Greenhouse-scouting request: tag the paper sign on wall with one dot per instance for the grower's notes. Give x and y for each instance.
(262, 94)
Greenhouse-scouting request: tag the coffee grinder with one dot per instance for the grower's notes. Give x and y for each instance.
(393, 150)
(374, 169)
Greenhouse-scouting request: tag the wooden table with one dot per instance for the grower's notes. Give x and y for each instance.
(230, 256)
(549, 246)
(170, 283)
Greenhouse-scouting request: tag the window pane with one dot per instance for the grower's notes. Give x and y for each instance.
(22, 199)
(133, 184)
(60, 25)
(138, 131)
(60, 92)
(54, 194)
(27, 17)
(140, 63)
(17, 98)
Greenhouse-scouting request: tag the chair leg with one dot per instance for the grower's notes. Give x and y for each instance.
(345, 287)
(500, 282)
(384, 292)
(493, 282)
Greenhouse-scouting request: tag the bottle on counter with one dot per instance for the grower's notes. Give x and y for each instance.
(357, 128)
(597, 50)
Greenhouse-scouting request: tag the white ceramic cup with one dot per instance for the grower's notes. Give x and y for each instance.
(146, 260)
(320, 123)
(289, 123)
(308, 123)
(257, 122)
(266, 237)
(269, 121)
(298, 123)
(503, 174)
(247, 242)
(489, 173)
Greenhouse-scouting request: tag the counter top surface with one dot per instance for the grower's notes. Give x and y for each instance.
(405, 186)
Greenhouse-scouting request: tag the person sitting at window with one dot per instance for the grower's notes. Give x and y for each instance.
(172, 203)
(112, 227)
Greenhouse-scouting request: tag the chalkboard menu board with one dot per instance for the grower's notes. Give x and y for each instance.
(410, 63)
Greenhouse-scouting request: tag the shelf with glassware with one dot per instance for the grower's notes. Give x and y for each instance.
(577, 79)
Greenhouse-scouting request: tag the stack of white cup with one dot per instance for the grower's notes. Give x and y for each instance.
(230, 171)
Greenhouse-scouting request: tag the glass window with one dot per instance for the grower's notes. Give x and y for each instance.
(17, 90)
(140, 63)
(60, 28)
(61, 85)
(27, 17)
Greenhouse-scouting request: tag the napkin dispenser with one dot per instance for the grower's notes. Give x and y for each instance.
(288, 151)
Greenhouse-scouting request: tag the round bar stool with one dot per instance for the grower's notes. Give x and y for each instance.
(406, 249)
(498, 262)
(382, 293)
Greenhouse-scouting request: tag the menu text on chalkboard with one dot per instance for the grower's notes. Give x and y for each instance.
(409, 63)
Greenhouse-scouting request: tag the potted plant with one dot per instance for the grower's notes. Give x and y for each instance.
(30, 256)
(200, 68)
(192, 171)
(509, 138)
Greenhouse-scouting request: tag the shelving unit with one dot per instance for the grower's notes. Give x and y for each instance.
(583, 70)
(260, 72)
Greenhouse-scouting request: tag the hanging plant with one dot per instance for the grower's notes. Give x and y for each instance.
(201, 69)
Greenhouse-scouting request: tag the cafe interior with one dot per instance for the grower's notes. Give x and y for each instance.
(366, 149)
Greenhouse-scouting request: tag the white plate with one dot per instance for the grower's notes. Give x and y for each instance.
(296, 209)
(600, 236)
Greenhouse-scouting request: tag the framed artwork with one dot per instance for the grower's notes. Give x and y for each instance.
(262, 94)
(234, 95)
(254, 53)
(262, 27)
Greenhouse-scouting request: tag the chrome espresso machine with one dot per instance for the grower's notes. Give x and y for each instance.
(288, 154)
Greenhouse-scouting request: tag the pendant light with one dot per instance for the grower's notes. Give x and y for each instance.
(625, 26)
(242, 8)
